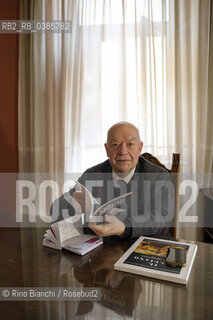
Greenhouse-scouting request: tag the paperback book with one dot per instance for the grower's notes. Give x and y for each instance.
(68, 234)
(149, 257)
(111, 207)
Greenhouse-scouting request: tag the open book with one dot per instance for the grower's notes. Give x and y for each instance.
(110, 207)
(68, 234)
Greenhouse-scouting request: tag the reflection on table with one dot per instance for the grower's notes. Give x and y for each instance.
(25, 263)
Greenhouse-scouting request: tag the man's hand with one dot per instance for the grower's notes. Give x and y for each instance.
(111, 226)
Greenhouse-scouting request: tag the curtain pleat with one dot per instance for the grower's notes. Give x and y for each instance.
(41, 93)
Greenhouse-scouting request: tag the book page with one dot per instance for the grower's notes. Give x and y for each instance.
(54, 231)
(79, 240)
(110, 206)
(88, 196)
(49, 235)
(70, 228)
(87, 244)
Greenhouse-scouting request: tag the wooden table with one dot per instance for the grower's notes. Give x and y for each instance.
(25, 263)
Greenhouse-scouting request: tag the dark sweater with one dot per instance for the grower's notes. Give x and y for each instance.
(149, 211)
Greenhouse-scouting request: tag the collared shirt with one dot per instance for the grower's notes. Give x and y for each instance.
(126, 179)
(116, 178)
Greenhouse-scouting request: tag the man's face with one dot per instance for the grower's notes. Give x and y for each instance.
(123, 148)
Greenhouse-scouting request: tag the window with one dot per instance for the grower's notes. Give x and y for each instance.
(124, 72)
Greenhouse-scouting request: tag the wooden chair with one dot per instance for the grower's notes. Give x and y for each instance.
(174, 178)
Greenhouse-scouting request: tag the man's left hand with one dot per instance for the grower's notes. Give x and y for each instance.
(111, 226)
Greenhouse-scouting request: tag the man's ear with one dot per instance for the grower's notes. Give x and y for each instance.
(106, 148)
(141, 146)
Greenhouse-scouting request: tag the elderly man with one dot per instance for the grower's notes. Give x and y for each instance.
(148, 211)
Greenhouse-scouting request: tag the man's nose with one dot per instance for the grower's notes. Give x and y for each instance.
(123, 148)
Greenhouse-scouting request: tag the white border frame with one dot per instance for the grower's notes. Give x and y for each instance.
(182, 277)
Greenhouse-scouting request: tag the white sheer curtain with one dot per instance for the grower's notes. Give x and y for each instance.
(42, 73)
(123, 56)
(146, 62)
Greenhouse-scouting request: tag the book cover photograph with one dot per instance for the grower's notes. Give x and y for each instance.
(159, 259)
(152, 254)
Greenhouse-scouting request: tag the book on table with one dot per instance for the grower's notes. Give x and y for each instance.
(152, 257)
(68, 234)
